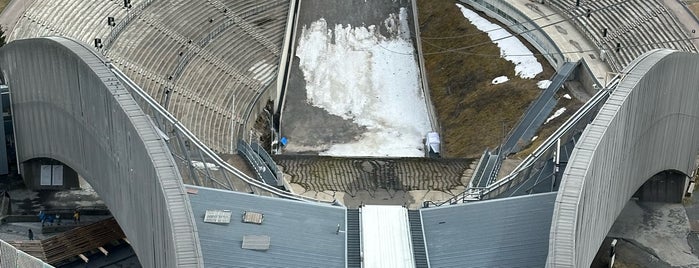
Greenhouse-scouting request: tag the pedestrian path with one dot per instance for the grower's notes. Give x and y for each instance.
(571, 42)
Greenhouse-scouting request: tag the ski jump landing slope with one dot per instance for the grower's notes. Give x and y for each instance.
(355, 87)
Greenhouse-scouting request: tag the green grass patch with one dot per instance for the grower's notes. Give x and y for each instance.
(470, 110)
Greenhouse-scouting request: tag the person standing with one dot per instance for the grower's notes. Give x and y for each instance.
(30, 234)
(76, 217)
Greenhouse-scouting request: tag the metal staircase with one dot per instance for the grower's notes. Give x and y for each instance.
(354, 246)
(419, 252)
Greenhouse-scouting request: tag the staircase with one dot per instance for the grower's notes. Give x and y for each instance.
(419, 252)
(354, 246)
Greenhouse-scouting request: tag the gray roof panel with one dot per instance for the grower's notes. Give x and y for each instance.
(302, 234)
(508, 232)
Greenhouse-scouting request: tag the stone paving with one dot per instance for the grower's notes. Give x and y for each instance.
(349, 175)
(376, 180)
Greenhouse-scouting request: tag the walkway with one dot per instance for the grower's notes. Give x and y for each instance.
(685, 18)
(565, 35)
(11, 14)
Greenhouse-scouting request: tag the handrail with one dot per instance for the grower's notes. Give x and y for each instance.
(476, 193)
(119, 27)
(551, 140)
(200, 145)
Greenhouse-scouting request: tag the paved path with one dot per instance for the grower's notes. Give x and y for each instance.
(658, 229)
(565, 35)
(12, 13)
(685, 18)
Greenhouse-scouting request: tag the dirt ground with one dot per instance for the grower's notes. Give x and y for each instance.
(473, 113)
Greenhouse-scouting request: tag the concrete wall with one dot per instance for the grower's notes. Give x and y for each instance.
(69, 106)
(587, 79)
(434, 121)
(649, 124)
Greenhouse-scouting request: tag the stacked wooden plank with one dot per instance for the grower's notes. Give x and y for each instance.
(73, 243)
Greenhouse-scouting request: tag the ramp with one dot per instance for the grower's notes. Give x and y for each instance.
(537, 112)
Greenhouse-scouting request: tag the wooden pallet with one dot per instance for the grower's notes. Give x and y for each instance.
(80, 240)
(73, 243)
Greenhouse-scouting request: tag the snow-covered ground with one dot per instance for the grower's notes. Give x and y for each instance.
(511, 49)
(360, 75)
(543, 84)
(499, 80)
(557, 113)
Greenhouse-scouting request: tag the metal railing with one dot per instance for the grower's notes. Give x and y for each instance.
(536, 160)
(267, 159)
(521, 24)
(198, 164)
(133, 13)
(259, 165)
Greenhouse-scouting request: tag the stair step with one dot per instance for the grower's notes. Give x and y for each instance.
(419, 252)
(353, 239)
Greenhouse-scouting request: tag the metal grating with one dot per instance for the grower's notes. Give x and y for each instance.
(256, 242)
(354, 246)
(217, 216)
(252, 217)
(418, 240)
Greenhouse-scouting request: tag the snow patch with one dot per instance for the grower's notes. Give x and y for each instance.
(543, 84)
(370, 79)
(567, 96)
(500, 80)
(511, 49)
(558, 113)
(202, 165)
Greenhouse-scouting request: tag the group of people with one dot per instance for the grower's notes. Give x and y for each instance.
(50, 218)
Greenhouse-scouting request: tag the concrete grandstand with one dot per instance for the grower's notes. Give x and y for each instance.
(213, 66)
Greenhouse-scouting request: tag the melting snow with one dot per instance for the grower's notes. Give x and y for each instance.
(558, 113)
(499, 80)
(511, 49)
(543, 84)
(203, 165)
(370, 79)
